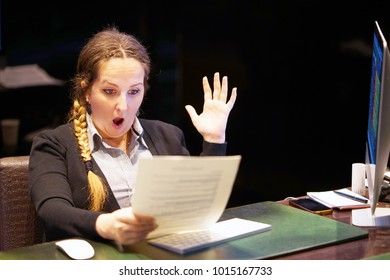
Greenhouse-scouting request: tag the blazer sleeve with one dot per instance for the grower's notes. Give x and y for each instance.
(167, 139)
(57, 185)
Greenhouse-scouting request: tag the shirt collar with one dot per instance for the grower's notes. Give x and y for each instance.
(139, 131)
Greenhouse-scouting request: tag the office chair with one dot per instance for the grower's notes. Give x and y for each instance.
(19, 223)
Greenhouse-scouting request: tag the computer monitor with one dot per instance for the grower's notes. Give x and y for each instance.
(378, 134)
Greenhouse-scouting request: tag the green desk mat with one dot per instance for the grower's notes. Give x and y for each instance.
(385, 256)
(293, 230)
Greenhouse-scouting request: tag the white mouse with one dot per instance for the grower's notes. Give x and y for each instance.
(77, 249)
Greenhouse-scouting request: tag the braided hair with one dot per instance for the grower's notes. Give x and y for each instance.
(104, 45)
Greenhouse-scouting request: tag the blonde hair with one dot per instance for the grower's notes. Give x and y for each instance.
(103, 46)
(97, 190)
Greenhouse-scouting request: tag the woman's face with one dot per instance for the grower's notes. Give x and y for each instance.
(116, 96)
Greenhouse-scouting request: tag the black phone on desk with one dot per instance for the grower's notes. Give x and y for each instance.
(310, 205)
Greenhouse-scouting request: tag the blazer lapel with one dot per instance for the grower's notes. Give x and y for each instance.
(111, 203)
(151, 146)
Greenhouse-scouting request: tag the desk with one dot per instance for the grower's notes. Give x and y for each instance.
(292, 228)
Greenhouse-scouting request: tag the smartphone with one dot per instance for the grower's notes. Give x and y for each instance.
(311, 205)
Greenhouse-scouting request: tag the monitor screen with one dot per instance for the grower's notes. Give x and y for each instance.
(375, 90)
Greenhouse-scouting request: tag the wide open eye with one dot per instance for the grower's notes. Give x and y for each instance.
(109, 91)
(134, 91)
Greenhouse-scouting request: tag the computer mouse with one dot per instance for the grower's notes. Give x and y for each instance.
(77, 249)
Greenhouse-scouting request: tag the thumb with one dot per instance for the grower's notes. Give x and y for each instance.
(191, 111)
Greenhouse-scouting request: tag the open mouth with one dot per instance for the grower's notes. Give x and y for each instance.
(118, 121)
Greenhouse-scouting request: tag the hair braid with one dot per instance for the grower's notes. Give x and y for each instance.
(97, 190)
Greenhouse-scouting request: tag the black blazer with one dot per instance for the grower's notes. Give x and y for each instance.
(58, 179)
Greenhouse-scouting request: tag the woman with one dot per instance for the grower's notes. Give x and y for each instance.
(82, 173)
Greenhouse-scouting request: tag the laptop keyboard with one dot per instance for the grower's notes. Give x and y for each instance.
(189, 241)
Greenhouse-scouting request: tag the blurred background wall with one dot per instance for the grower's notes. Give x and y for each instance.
(302, 69)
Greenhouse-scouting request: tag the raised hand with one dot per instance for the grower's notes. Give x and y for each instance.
(211, 123)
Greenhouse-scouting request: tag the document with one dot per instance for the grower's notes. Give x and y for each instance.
(184, 192)
(346, 200)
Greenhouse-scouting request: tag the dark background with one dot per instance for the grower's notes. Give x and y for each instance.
(302, 69)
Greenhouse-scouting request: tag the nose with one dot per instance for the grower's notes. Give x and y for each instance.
(122, 102)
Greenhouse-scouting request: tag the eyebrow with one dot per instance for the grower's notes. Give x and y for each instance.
(114, 84)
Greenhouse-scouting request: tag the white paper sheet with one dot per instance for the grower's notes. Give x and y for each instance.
(184, 192)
